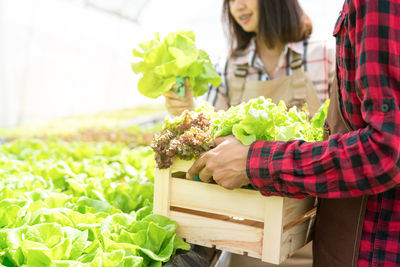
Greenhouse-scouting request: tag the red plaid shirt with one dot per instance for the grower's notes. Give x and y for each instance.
(366, 160)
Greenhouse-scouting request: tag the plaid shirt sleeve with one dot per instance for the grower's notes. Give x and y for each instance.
(366, 160)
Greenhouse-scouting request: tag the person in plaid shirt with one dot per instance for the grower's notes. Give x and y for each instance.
(365, 161)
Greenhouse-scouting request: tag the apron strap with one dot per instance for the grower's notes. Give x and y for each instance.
(296, 64)
(237, 84)
(299, 83)
(241, 73)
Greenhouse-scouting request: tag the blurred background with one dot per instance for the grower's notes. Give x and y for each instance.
(61, 58)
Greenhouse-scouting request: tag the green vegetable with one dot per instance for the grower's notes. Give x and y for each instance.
(167, 62)
(191, 134)
(80, 204)
(317, 121)
(260, 119)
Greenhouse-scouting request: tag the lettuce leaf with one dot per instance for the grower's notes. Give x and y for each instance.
(80, 204)
(164, 62)
(260, 119)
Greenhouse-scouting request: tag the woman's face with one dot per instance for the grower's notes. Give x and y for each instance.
(245, 12)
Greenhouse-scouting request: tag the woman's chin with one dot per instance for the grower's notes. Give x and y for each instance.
(248, 29)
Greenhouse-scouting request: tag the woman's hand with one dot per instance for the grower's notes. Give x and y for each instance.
(226, 164)
(176, 104)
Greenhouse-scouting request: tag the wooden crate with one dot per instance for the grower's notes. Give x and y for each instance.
(241, 221)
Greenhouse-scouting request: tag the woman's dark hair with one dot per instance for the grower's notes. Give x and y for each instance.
(281, 21)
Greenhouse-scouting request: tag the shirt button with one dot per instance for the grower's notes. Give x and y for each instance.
(385, 107)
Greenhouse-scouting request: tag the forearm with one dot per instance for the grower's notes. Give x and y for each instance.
(330, 169)
(364, 161)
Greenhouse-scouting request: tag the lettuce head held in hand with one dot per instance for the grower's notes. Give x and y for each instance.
(165, 62)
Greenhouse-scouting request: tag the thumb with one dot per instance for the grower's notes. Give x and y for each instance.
(170, 94)
(189, 93)
(221, 139)
(187, 83)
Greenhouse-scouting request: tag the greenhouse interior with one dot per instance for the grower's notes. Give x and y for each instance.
(114, 115)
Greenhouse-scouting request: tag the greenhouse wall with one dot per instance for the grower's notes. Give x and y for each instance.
(68, 57)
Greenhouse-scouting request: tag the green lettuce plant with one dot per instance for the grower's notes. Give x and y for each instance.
(191, 134)
(168, 62)
(80, 204)
(260, 119)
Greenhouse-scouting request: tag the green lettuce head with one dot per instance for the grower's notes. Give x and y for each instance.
(166, 62)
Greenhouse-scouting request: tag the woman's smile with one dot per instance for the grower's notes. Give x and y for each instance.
(245, 12)
(244, 18)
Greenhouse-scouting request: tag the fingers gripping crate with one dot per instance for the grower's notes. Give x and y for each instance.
(241, 221)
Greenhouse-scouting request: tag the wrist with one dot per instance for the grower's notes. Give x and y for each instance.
(257, 164)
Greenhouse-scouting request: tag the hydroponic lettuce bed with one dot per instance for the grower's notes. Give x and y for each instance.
(80, 204)
(101, 127)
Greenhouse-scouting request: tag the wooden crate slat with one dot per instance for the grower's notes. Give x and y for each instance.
(181, 165)
(295, 208)
(162, 188)
(243, 203)
(232, 236)
(230, 249)
(200, 243)
(272, 230)
(293, 239)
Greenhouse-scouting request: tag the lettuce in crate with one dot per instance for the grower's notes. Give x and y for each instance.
(168, 62)
(185, 137)
(260, 119)
(191, 134)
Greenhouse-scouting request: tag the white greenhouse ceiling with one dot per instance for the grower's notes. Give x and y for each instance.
(126, 9)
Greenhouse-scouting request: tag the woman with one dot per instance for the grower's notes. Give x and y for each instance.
(272, 55)
(270, 47)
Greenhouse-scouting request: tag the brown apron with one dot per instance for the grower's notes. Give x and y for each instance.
(339, 222)
(296, 89)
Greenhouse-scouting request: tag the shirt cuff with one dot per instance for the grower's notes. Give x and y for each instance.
(257, 163)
